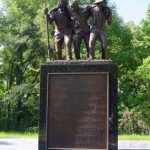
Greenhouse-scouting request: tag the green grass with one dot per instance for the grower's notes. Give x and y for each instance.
(18, 135)
(35, 135)
(133, 137)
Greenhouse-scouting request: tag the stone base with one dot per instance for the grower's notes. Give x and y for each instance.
(96, 81)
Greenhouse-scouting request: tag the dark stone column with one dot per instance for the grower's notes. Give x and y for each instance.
(74, 67)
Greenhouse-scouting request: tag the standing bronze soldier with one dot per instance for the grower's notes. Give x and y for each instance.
(63, 30)
(80, 16)
(100, 14)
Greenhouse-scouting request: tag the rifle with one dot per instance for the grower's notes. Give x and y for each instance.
(47, 31)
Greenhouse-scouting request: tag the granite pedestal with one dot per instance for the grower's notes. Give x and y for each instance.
(78, 105)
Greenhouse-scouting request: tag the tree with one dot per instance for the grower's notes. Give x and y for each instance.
(20, 59)
(23, 49)
(135, 112)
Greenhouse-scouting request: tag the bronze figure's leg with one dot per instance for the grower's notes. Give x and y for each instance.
(58, 46)
(103, 39)
(92, 41)
(68, 43)
(86, 37)
(77, 44)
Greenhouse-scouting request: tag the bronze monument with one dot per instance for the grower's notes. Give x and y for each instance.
(75, 20)
(78, 99)
(63, 30)
(100, 15)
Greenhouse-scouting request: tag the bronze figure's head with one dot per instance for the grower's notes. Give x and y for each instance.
(100, 3)
(62, 3)
(74, 5)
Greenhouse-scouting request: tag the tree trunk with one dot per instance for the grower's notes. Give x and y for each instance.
(9, 85)
(19, 81)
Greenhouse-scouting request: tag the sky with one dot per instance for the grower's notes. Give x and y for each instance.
(129, 10)
(132, 10)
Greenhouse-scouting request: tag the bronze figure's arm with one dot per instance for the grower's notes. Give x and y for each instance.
(109, 16)
(51, 17)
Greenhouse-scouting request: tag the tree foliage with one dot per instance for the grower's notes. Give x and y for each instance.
(23, 49)
(21, 55)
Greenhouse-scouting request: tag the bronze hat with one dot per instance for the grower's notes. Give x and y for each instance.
(72, 2)
(64, 1)
(98, 1)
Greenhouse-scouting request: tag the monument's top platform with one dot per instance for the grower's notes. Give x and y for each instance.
(78, 62)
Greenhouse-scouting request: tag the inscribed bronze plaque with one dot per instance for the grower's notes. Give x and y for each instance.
(77, 113)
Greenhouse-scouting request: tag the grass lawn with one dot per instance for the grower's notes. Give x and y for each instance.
(18, 135)
(35, 135)
(133, 137)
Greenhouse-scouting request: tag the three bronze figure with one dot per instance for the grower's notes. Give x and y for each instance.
(71, 26)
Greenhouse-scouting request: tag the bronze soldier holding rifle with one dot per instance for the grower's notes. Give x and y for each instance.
(63, 30)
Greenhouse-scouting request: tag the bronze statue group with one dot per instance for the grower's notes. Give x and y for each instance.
(71, 26)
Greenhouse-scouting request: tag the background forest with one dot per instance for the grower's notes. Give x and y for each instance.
(23, 43)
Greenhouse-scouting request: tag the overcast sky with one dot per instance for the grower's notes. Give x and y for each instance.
(129, 10)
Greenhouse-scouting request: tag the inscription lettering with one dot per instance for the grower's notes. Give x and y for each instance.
(79, 112)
